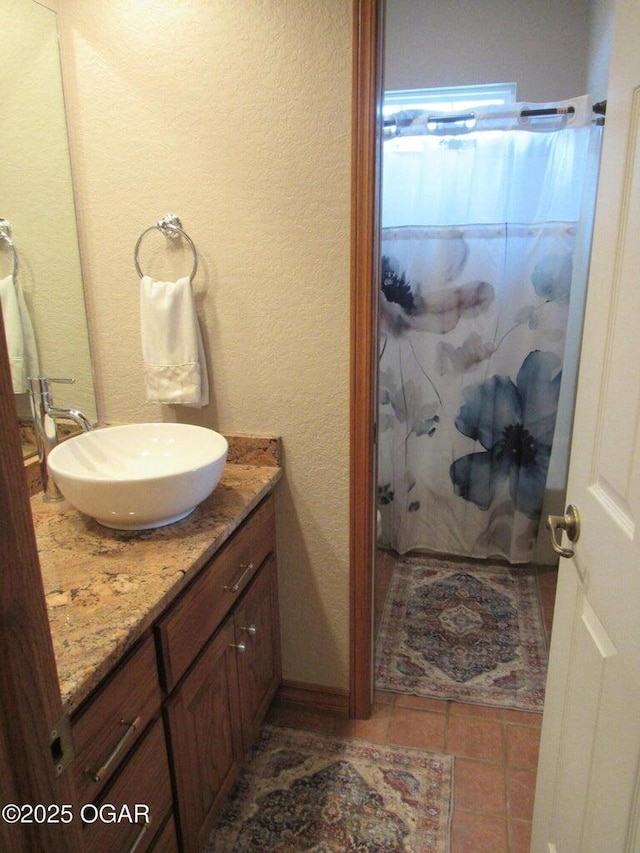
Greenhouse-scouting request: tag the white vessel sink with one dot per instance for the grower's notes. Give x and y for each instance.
(139, 476)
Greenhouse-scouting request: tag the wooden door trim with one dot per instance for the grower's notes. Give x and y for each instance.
(367, 87)
(30, 704)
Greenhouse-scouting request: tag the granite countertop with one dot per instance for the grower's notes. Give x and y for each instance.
(105, 587)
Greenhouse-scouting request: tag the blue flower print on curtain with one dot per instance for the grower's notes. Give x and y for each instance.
(551, 277)
(433, 304)
(507, 297)
(515, 425)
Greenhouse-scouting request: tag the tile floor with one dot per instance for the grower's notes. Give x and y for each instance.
(496, 750)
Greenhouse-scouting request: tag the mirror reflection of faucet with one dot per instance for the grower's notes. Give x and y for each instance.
(45, 421)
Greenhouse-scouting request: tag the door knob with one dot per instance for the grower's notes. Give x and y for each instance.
(570, 523)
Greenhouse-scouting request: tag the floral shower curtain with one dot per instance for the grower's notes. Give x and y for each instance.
(480, 271)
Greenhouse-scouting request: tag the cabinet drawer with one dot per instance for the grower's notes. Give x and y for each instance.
(107, 728)
(188, 625)
(143, 781)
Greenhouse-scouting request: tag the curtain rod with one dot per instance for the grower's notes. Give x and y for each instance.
(599, 108)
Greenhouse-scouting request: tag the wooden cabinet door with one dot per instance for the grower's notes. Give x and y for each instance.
(166, 841)
(257, 627)
(206, 744)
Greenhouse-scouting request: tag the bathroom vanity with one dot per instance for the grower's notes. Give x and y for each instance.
(168, 655)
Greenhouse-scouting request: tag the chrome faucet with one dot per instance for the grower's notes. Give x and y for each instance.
(45, 421)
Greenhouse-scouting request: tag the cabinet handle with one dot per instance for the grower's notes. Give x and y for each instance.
(99, 773)
(244, 568)
(241, 646)
(251, 630)
(139, 836)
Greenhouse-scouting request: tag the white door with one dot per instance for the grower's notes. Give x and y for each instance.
(588, 791)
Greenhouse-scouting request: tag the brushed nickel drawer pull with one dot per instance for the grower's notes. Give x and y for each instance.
(241, 646)
(139, 836)
(131, 727)
(244, 568)
(251, 630)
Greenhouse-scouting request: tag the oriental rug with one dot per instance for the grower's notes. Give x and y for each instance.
(463, 632)
(303, 791)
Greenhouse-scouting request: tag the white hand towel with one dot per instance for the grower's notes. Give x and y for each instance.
(18, 329)
(175, 368)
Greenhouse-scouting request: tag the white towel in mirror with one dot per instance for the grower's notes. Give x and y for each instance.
(175, 368)
(18, 329)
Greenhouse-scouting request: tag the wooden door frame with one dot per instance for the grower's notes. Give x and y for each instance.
(30, 704)
(365, 184)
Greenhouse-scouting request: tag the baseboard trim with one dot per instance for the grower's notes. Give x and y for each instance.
(312, 697)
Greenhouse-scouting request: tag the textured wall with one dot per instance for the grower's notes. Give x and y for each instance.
(236, 116)
(542, 45)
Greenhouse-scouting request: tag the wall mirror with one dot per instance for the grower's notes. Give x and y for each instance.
(36, 198)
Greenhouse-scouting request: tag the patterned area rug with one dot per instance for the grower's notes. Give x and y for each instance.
(309, 792)
(457, 631)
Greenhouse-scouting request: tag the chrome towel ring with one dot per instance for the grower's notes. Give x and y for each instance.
(5, 237)
(171, 227)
